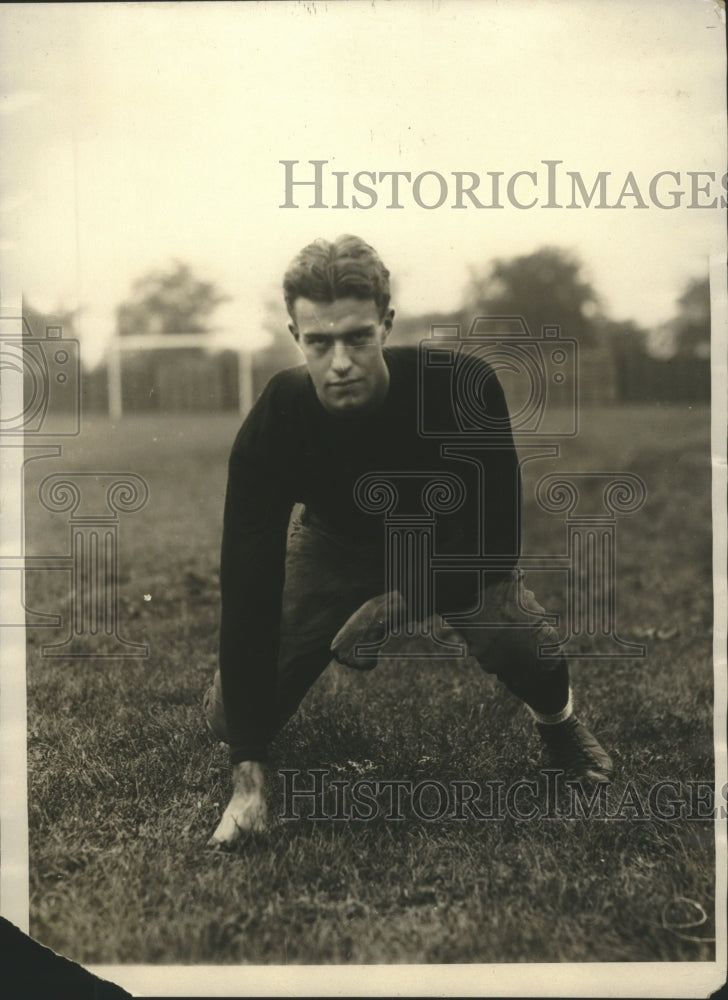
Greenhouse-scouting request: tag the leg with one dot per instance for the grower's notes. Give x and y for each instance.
(326, 581)
(509, 648)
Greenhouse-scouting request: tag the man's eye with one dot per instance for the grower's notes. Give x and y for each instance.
(357, 339)
(318, 342)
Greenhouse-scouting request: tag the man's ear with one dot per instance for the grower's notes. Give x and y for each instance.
(294, 331)
(387, 322)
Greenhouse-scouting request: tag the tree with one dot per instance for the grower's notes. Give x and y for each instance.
(692, 323)
(169, 301)
(545, 287)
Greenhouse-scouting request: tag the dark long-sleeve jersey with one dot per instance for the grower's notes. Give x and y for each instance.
(291, 450)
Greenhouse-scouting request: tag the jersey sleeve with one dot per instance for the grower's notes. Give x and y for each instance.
(257, 510)
(490, 519)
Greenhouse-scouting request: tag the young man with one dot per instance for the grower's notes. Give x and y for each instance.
(287, 589)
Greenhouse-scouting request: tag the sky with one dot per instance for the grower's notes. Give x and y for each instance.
(134, 134)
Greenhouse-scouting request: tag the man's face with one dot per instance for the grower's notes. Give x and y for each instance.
(342, 343)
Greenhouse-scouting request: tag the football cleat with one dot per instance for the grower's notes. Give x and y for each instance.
(572, 748)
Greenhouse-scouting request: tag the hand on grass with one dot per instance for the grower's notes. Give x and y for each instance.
(246, 811)
(367, 625)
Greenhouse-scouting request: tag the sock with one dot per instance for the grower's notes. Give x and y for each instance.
(554, 719)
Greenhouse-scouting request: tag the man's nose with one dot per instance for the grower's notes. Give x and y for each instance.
(340, 361)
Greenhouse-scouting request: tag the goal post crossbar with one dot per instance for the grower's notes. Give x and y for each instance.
(174, 341)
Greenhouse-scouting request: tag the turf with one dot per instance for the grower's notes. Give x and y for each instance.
(125, 785)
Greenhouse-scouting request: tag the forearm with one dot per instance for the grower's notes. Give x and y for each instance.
(248, 682)
(251, 579)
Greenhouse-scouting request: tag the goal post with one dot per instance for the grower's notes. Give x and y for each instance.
(174, 341)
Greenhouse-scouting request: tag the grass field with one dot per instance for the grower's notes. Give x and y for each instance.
(125, 785)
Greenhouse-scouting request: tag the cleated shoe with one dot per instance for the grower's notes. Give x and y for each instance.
(571, 747)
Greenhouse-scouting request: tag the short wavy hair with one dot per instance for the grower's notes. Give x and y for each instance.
(347, 268)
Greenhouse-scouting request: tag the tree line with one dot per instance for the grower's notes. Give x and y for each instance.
(546, 287)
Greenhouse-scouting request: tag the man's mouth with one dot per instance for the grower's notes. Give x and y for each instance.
(345, 384)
